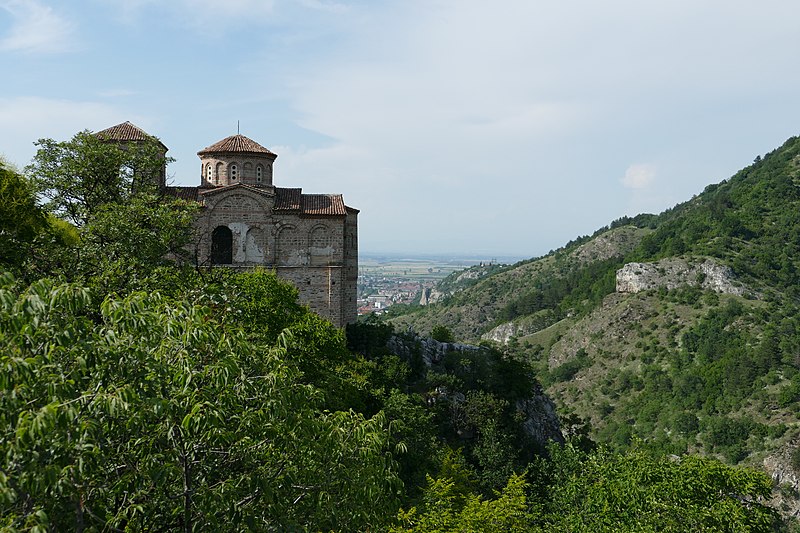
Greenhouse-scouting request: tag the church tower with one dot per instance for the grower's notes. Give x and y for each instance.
(234, 160)
(130, 137)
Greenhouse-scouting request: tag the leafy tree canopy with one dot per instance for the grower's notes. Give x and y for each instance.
(77, 177)
(156, 415)
(21, 219)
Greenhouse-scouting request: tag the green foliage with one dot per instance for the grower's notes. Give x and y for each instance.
(752, 220)
(567, 370)
(110, 227)
(444, 510)
(602, 491)
(77, 177)
(369, 337)
(580, 288)
(262, 304)
(213, 400)
(21, 220)
(442, 334)
(414, 438)
(156, 415)
(123, 243)
(795, 459)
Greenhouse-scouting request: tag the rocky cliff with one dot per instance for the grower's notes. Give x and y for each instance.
(535, 412)
(676, 272)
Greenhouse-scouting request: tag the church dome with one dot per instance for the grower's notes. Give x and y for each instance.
(236, 159)
(127, 132)
(235, 144)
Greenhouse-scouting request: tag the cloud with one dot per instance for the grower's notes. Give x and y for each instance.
(116, 93)
(639, 176)
(36, 28)
(230, 8)
(203, 15)
(322, 5)
(27, 118)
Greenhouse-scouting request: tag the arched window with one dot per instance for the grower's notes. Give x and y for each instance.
(209, 173)
(218, 173)
(222, 246)
(234, 171)
(259, 173)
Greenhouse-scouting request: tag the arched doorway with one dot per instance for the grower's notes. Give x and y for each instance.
(222, 246)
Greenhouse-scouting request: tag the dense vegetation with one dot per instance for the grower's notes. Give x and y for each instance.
(141, 393)
(676, 371)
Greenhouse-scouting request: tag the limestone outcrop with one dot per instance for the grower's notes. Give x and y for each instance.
(520, 327)
(430, 296)
(408, 345)
(675, 272)
(539, 418)
(779, 466)
(502, 333)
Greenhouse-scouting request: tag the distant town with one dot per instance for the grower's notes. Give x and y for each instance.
(384, 281)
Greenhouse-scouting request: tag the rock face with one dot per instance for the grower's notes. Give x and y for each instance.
(674, 272)
(613, 243)
(431, 351)
(779, 466)
(430, 296)
(539, 418)
(470, 274)
(536, 412)
(502, 333)
(520, 327)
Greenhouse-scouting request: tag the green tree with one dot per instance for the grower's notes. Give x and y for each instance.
(637, 491)
(109, 192)
(442, 334)
(21, 219)
(149, 413)
(444, 509)
(77, 177)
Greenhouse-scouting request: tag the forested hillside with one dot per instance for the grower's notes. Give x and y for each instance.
(141, 393)
(673, 366)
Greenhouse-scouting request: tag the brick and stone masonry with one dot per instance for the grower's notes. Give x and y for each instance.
(245, 221)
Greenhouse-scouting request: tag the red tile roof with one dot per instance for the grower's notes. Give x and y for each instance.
(184, 193)
(235, 144)
(323, 204)
(288, 199)
(309, 204)
(126, 132)
(211, 190)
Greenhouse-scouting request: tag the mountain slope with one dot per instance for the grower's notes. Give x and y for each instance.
(673, 363)
(499, 296)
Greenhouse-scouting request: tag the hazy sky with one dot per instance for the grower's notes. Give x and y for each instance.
(475, 127)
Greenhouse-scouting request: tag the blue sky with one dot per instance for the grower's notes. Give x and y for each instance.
(468, 127)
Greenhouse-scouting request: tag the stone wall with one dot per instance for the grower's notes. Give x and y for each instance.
(319, 255)
(321, 288)
(350, 254)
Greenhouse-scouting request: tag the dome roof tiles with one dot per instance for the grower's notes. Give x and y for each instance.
(126, 132)
(235, 144)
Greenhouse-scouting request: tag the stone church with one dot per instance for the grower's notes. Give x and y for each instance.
(246, 221)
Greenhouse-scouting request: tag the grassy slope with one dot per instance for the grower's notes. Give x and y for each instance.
(683, 370)
(475, 309)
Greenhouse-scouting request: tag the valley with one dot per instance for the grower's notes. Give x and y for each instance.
(677, 332)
